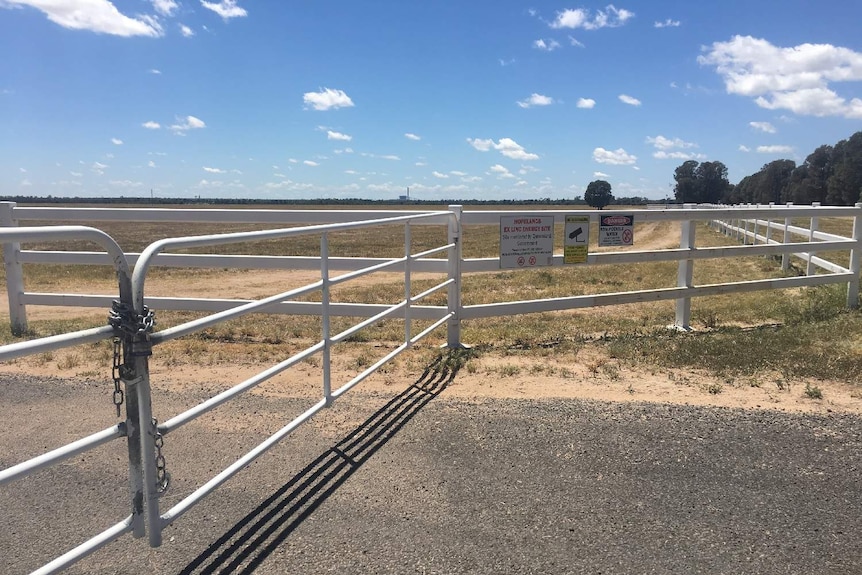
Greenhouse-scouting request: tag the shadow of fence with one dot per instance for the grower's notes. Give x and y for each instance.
(250, 541)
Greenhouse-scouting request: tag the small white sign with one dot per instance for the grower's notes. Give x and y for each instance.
(526, 241)
(616, 230)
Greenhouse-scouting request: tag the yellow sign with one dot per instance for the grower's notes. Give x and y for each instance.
(576, 240)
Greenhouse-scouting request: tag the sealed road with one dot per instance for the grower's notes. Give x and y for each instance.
(420, 483)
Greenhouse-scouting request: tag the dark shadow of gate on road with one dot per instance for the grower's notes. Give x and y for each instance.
(248, 543)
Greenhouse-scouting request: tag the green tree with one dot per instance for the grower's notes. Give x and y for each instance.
(598, 194)
(701, 183)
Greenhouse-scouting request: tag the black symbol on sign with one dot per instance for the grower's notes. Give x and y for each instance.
(573, 235)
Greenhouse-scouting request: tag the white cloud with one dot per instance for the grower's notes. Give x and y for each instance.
(391, 157)
(330, 135)
(186, 124)
(744, 148)
(116, 141)
(437, 174)
(600, 175)
(611, 17)
(413, 137)
(548, 46)
(327, 99)
(458, 173)
(536, 100)
(506, 146)
(664, 155)
(100, 16)
(663, 143)
(626, 99)
(586, 103)
(98, 168)
(186, 31)
(667, 24)
(795, 79)
(774, 149)
(576, 42)
(502, 171)
(310, 163)
(226, 9)
(214, 170)
(763, 127)
(165, 7)
(618, 157)
(76, 174)
(151, 164)
(154, 71)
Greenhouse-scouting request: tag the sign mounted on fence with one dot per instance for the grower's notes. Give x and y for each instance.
(526, 241)
(616, 230)
(576, 239)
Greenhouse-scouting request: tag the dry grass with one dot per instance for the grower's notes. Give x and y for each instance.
(800, 333)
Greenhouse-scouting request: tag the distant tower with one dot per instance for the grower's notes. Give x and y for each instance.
(407, 197)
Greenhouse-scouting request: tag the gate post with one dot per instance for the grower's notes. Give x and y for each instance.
(853, 284)
(453, 329)
(14, 273)
(685, 273)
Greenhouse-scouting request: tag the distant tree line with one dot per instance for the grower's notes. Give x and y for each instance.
(577, 201)
(831, 175)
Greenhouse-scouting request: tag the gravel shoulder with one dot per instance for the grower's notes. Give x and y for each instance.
(402, 478)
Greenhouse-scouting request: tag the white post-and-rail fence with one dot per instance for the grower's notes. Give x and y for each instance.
(131, 319)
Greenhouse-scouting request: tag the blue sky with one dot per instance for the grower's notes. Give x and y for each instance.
(478, 99)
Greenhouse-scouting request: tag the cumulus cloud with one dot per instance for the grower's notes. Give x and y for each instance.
(626, 99)
(506, 146)
(227, 9)
(618, 157)
(610, 17)
(437, 174)
(774, 149)
(744, 148)
(214, 170)
(330, 135)
(100, 16)
(310, 163)
(600, 175)
(662, 143)
(502, 171)
(796, 79)
(586, 103)
(151, 125)
(165, 7)
(536, 100)
(667, 24)
(327, 99)
(763, 127)
(188, 123)
(413, 137)
(116, 141)
(186, 31)
(547, 46)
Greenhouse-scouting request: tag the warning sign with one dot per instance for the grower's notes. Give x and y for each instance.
(576, 240)
(616, 230)
(526, 241)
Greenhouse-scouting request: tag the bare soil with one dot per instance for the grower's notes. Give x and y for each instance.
(588, 374)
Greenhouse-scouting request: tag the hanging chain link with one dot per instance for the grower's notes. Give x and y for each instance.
(128, 326)
(115, 375)
(162, 475)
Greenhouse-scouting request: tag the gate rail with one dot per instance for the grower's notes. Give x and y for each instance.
(132, 323)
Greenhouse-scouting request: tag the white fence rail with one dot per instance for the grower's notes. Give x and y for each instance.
(132, 327)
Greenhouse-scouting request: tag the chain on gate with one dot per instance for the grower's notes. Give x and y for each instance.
(134, 327)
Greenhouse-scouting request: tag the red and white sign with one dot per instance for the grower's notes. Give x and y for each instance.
(616, 230)
(526, 241)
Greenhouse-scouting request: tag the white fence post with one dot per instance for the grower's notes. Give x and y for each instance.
(685, 273)
(14, 273)
(815, 222)
(325, 318)
(453, 329)
(853, 284)
(785, 257)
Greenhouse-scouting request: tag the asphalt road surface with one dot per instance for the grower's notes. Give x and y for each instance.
(415, 482)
